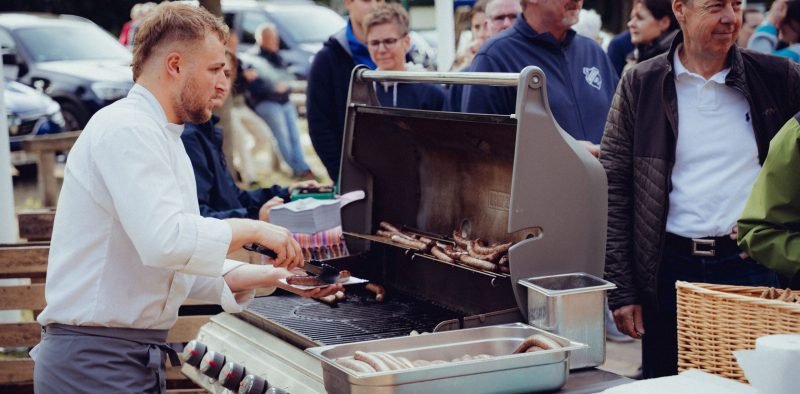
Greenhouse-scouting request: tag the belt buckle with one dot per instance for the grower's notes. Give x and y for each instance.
(696, 251)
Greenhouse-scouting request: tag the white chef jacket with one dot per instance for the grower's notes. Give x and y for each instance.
(129, 244)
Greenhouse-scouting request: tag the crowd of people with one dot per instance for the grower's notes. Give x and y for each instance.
(685, 126)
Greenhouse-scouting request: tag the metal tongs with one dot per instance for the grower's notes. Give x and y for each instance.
(325, 272)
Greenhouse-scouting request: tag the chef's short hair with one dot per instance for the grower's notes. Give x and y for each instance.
(173, 22)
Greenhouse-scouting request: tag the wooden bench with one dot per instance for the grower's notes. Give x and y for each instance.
(29, 260)
(46, 147)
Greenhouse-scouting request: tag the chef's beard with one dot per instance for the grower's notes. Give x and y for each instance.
(190, 106)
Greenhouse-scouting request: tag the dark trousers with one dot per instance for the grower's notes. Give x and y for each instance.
(660, 342)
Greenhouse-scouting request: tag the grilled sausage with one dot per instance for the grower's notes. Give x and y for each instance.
(491, 257)
(460, 241)
(389, 227)
(405, 241)
(373, 361)
(384, 233)
(305, 280)
(355, 365)
(439, 254)
(379, 291)
(477, 263)
(536, 340)
(533, 349)
(503, 260)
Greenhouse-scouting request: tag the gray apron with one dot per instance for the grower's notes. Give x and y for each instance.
(76, 359)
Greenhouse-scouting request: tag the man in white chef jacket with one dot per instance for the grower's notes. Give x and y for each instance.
(129, 245)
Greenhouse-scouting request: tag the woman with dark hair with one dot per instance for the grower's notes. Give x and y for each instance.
(782, 25)
(652, 27)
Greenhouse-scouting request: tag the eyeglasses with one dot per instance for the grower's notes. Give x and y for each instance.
(503, 17)
(389, 43)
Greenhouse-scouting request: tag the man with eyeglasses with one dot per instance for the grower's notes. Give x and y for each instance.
(329, 83)
(580, 78)
(501, 14)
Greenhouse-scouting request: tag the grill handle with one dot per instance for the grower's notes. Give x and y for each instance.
(461, 78)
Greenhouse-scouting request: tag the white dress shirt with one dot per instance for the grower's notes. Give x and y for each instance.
(716, 156)
(129, 244)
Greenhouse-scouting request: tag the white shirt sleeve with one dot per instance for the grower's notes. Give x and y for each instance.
(146, 193)
(215, 290)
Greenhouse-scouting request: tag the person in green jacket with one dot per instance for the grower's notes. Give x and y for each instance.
(769, 229)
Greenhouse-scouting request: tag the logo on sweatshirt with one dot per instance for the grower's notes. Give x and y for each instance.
(592, 76)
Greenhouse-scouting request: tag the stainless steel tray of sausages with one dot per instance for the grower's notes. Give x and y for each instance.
(501, 372)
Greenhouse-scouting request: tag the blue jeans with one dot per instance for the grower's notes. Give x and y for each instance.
(660, 342)
(282, 120)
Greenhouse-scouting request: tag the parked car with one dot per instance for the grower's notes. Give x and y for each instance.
(29, 113)
(74, 61)
(303, 27)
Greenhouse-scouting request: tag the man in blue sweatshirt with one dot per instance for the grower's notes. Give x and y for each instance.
(329, 83)
(580, 78)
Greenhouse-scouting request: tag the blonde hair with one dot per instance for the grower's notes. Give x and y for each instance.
(387, 13)
(173, 22)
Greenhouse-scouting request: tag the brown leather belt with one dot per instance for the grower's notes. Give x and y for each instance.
(703, 247)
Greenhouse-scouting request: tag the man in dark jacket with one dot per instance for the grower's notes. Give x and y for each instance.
(580, 77)
(684, 141)
(217, 193)
(329, 84)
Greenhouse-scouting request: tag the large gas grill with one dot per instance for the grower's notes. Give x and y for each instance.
(515, 177)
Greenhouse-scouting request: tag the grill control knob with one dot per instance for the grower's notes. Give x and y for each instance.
(212, 363)
(252, 384)
(193, 353)
(275, 390)
(231, 375)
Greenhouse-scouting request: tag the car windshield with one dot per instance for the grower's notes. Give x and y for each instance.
(309, 24)
(54, 43)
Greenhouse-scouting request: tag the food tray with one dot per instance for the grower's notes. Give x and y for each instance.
(505, 372)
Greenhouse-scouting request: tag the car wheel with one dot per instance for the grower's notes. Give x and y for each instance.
(74, 116)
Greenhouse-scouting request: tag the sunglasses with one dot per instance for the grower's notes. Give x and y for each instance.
(503, 17)
(390, 42)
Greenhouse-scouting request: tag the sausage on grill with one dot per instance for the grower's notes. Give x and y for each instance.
(440, 254)
(405, 241)
(305, 280)
(477, 263)
(379, 291)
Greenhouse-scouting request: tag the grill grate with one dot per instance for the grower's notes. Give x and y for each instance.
(359, 318)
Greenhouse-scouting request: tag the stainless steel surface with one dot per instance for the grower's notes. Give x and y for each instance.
(477, 78)
(504, 372)
(573, 306)
(281, 364)
(559, 195)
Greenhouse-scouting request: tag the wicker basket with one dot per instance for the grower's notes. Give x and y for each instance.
(715, 320)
